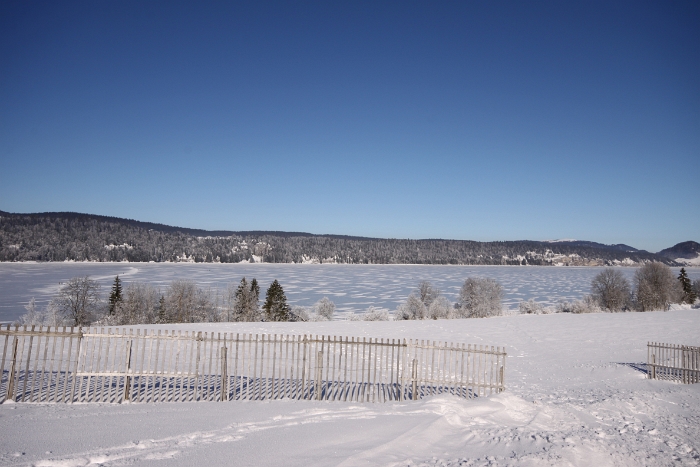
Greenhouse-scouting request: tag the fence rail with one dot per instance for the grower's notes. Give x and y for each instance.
(146, 365)
(673, 362)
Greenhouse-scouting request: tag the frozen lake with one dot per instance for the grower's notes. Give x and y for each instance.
(353, 288)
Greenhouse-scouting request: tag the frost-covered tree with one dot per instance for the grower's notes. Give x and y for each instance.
(656, 287)
(78, 301)
(246, 306)
(531, 307)
(299, 313)
(325, 308)
(276, 308)
(588, 304)
(412, 308)
(696, 287)
(427, 293)
(479, 298)
(440, 308)
(687, 287)
(372, 314)
(32, 317)
(138, 304)
(611, 289)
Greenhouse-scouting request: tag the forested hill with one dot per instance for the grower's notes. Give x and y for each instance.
(62, 236)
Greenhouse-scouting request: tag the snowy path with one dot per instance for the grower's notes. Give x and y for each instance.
(573, 399)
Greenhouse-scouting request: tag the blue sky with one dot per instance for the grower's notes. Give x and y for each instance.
(464, 120)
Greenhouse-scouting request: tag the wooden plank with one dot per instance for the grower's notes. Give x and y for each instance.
(33, 389)
(4, 354)
(157, 389)
(79, 346)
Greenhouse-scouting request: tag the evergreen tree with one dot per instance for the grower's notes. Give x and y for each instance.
(162, 316)
(115, 297)
(276, 308)
(255, 288)
(688, 293)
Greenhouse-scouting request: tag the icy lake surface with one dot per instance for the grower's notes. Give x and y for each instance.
(353, 288)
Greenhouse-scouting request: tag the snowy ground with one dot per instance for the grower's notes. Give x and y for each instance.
(353, 288)
(576, 396)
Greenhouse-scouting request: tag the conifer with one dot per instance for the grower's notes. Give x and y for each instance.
(688, 293)
(115, 297)
(276, 307)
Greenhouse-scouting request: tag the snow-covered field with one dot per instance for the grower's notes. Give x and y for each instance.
(575, 396)
(353, 288)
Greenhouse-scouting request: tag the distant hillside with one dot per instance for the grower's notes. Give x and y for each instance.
(618, 247)
(65, 236)
(687, 253)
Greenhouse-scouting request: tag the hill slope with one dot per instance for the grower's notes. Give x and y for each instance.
(62, 236)
(687, 253)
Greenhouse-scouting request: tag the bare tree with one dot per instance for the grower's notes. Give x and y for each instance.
(79, 300)
(656, 287)
(479, 298)
(611, 289)
(181, 301)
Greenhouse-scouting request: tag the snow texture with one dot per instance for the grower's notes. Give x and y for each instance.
(577, 395)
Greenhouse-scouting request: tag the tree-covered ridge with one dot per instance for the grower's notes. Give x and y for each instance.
(83, 237)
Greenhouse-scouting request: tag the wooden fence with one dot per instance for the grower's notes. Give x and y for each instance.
(142, 365)
(673, 362)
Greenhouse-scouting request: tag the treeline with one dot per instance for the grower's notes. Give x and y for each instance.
(80, 302)
(80, 237)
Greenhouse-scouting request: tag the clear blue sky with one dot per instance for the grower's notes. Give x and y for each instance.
(465, 120)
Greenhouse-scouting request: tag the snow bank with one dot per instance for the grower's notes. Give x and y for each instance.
(576, 396)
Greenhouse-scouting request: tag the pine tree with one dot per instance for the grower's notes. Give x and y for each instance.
(162, 316)
(115, 297)
(688, 293)
(276, 307)
(255, 288)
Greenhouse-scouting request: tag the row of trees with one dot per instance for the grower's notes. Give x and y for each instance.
(478, 298)
(654, 288)
(79, 301)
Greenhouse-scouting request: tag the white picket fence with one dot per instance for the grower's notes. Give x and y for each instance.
(673, 362)
(142, 365)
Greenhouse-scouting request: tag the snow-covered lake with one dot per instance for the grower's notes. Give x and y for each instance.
(353, 288)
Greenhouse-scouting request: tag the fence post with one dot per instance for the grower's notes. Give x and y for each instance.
(11, 383)
(319, 370)
(127, 378)
(653, 366)
(77, 360)
(196, 368)
(414, 377)
(224, 374)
